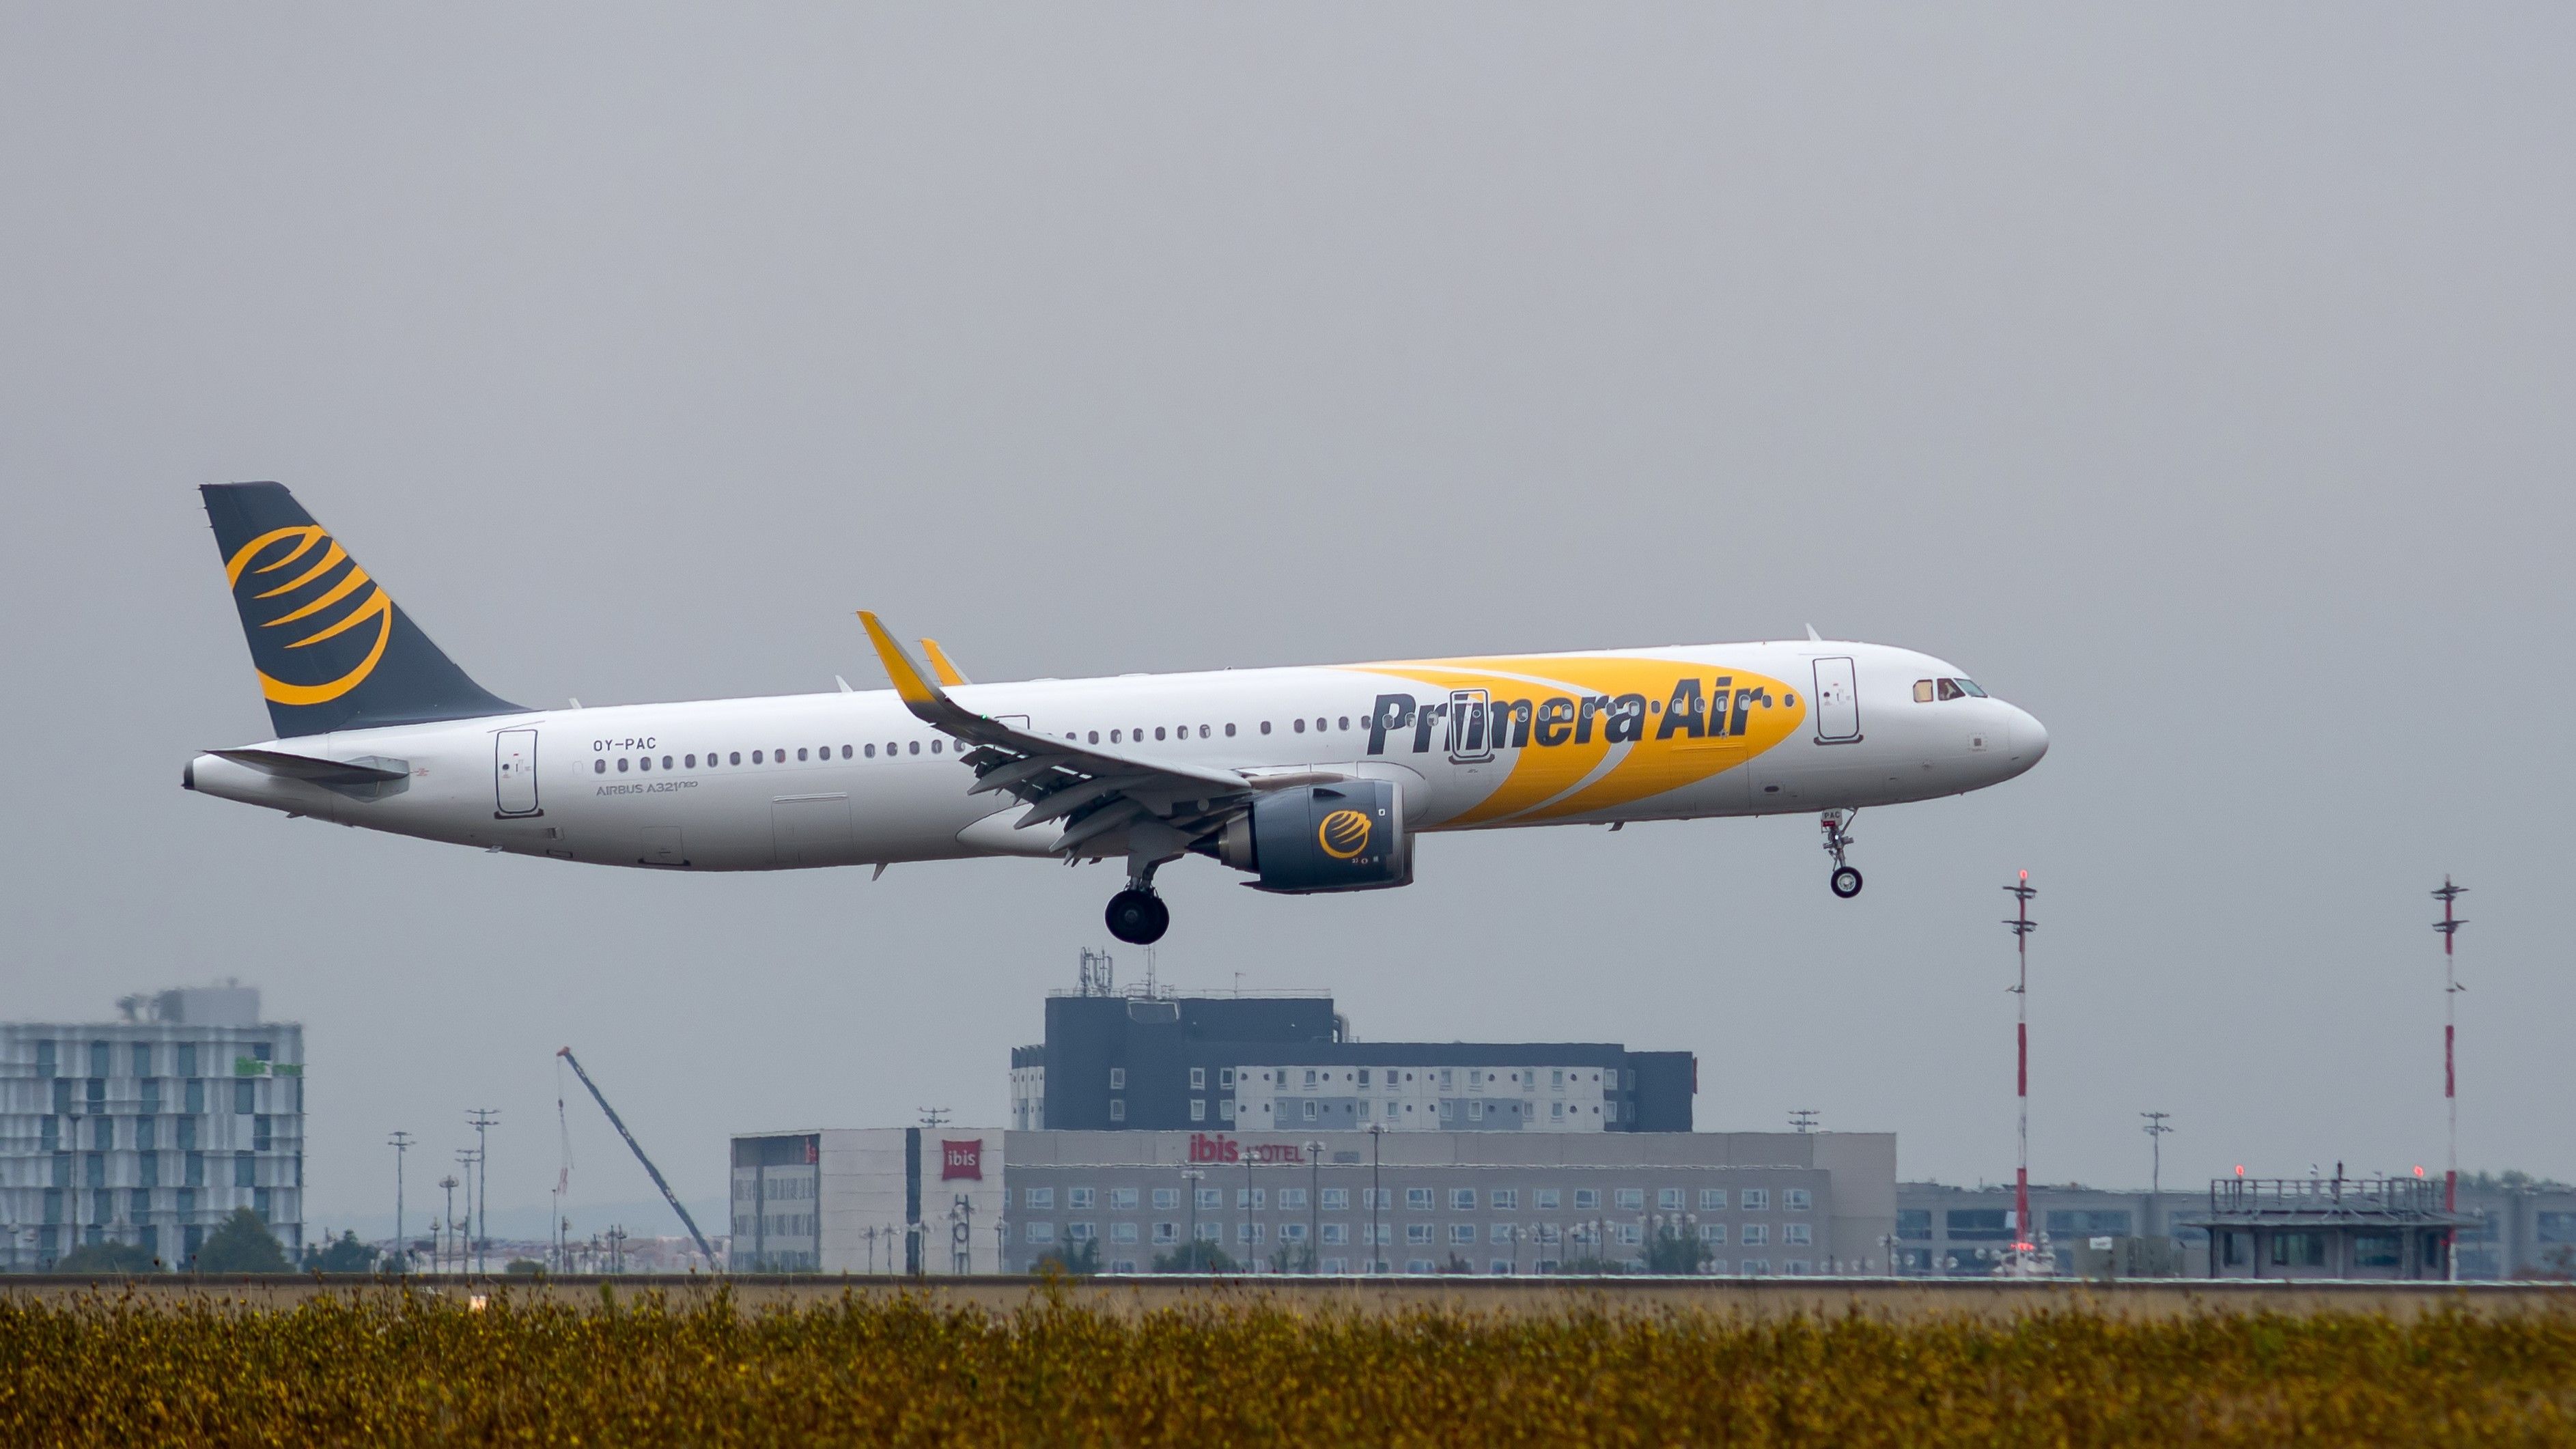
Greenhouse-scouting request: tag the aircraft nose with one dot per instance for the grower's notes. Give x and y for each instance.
(2029, 737)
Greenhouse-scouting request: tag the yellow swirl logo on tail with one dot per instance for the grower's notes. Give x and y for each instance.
(342, 598)
(1344, 834)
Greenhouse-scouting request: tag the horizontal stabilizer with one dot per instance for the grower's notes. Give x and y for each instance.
(309, 768)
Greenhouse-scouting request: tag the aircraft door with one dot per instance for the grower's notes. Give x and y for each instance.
(1468, 742)
(514, 773)
(1837, 701)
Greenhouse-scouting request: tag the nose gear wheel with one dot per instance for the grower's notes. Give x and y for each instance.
(1838, 839)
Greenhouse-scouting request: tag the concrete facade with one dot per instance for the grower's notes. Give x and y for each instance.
(150, 1130)
(890, 1199)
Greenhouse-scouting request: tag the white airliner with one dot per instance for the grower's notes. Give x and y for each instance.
(1313, 778)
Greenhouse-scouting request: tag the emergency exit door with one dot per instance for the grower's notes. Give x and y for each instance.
(514, 773)
(1837, 703)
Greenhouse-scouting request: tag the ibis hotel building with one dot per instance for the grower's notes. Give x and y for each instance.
(947, 1200)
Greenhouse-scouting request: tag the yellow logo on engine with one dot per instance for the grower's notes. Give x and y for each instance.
(343, 598)
(1344, 834)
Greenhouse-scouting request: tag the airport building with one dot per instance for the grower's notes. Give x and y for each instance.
(1285, 1062)
(945, 1199)
(150, 1129)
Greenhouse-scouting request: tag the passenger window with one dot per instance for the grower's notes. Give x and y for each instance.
(800, 754)
(1950, 689)
(1229, 731)
(916, 747)
(1158, 732)
(666, 762)
(1095, 736)
(599, 767)
(934, 747)
(1203, 732)
(778, 756)
(845, 752)
(872, 752)
(1319, 726)
(1300, 726)
(737, 757)
(689, 760)
(644, 763)
(1346, 722)
(1113, 737)
(755, 757)
(1923, 691)
(1265, 727)
(621, 765)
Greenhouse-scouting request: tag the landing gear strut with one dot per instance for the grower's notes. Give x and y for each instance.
(1838, 839)
(1137, 916)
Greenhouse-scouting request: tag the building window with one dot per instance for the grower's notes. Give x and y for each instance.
(1210, 1232)
(1117, 1109)
(1506, 1199)
(1081, 1232)
(244, 1102)
(1198, 1079)
(1166, 1233)
(1038, 1197)
(1668, 1198)
(1713, 1233)
(1118, 1079)
(1247, 1232)
(2298, 1250)
(1336, 1199)
(1225, 1078)
(245, 1170)
(102, 1133)
(1798, 1235)
(196, 1169)
(1225, 1109)
(1417, 1233)
(1310, 1110)
(1631, 1198)
(1122, 1232)
(1041, 1232)
(1081, 1198)
(1757, 1199)
(1476, 1111)
(1756, 1234)
(1797, 1199)
(1122, 1199)
(1255, 1198)
(1462, 1199)
(1584, 1198)
(1292, 1198)
(1502, 1232)
(1462, 1233)
(1336, 1235)
(1167, 1197)
(1417, 1199)
(1712, 1199)
(1209, 1197)
(260, 1140)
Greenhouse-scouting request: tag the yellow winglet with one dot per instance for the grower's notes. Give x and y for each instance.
(909, 685)
(940, 666)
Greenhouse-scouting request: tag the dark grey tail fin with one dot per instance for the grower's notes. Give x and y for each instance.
(333, 649)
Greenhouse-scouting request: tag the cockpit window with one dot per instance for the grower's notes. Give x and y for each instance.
(1950, 689)
(1970, 686)
(1923, 691)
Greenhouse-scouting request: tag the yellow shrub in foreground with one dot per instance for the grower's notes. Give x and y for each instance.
(395, 1367)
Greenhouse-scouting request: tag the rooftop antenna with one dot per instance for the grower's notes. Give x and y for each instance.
(1802, 1119)
(2155, 1130)
(2021, 925)
(2450, 926)
(933, 1116)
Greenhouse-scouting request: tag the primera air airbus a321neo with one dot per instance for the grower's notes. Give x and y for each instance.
(1307, 779)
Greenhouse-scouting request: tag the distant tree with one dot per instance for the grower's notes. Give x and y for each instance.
(1593, 1267)
(1671, 1250)
(1457, 1264)
(241, 1244)
(108, 1258)
(1079, 1262)
(524, 1268)
(1293, 1258)
(344, 1254)
(1198, 1257)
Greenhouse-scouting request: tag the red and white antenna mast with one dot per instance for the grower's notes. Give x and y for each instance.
(2450, 926)
(2025, 1242)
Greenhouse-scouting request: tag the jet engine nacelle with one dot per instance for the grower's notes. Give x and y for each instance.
(1347, 836)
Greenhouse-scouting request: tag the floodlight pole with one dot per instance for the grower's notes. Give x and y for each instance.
(401, 1143)
(482, 1119)
(2024, 1241)
(2450, 926)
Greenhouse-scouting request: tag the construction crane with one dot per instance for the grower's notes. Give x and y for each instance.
(667, 1195)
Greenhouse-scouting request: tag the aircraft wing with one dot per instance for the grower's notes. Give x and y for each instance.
(1112, 803)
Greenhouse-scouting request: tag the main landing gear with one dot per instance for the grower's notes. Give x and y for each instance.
(1838, 839)
(1137, 916)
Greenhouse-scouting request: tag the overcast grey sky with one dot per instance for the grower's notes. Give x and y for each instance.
(2196, 376)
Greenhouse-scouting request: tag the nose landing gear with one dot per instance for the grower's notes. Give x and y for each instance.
(1838, 839)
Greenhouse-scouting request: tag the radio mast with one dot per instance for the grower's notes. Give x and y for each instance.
(2025, 1243)
(2450, 926)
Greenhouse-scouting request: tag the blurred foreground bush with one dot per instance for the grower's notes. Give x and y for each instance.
(386, 1366)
